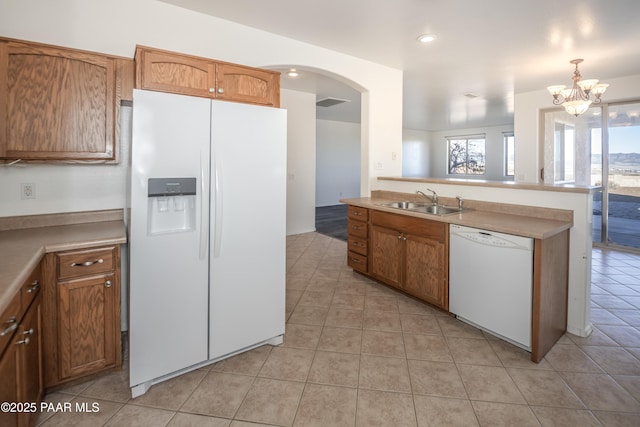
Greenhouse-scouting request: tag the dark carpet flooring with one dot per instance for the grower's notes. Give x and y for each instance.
(332, 221)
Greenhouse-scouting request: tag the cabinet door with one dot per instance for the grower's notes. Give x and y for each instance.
(182, 74)
(244, 84)
(425, 264)
(29, 343)
(86, 324)
(387, 258)
(9, 384)
(56, 103)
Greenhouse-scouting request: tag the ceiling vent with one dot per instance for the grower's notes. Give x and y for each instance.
(330, 102)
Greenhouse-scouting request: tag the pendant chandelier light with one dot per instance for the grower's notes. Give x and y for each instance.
(577, 99)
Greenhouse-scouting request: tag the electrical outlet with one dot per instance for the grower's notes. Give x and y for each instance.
(27, 191)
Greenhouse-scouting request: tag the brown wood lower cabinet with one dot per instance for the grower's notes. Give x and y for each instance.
(357, 232)
(411, 254)
(21, 363)
(82, 313)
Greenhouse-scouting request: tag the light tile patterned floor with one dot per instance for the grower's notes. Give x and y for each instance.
(357, 353)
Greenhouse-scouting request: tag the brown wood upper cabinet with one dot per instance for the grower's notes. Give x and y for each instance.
(58, 103)
(191, 75)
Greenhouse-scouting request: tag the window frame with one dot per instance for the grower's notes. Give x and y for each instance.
(467, 161)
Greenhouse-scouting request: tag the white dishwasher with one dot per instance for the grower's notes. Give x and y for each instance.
(491, 282)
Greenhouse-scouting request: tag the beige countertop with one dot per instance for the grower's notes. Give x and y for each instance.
(22, 249)
(520, 225)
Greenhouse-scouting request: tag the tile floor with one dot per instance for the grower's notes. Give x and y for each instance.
(358, 353)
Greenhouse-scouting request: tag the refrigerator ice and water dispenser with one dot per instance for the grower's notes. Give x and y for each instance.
(171, 205)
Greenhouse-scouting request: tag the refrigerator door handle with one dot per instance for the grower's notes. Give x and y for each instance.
(204, 201)
(204, 222)
(217, 188)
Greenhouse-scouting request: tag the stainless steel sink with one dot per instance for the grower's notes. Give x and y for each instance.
(406, 205)
(424, 208)
(437, 210)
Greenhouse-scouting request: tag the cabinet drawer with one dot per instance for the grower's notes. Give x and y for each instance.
(357, 229)
(9, 322)
(357, 213)
(358, 245)
(357, 261)
(85, 262)
(31, 287)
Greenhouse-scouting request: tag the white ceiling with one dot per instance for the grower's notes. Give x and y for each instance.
(492, 48)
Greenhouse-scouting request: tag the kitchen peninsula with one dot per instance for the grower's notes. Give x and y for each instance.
(423, 270)
(530, 197)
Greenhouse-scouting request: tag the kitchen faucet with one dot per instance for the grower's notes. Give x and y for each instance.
(433, 198)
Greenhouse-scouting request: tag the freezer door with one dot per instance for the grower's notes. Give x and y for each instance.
(168, 234)
(248, 228)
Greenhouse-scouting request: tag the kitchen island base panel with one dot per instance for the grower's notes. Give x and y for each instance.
(550, 263)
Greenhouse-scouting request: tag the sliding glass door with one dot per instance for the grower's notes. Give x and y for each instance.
(618, 220)
(601, 147)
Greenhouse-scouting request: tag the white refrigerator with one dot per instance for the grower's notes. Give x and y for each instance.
(207, 233)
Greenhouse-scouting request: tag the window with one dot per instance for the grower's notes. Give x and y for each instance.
(466, 154)
(509, 154)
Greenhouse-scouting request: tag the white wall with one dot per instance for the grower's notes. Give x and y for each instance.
(301, 160)
(337, 161)
(415, 153)
(494, 150)
(116, 26)
(65, 187)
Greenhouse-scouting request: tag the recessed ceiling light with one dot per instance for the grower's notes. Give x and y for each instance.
(427, 38)
(293, 73)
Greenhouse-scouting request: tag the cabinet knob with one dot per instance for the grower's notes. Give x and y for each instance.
(220, 90)
(107, 284)
(212, 89)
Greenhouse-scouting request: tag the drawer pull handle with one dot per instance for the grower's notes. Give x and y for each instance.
(87, 264)
(107, 284)
(34, 286)
(24, 341)
(357, 261)
(29, 332)
(14, 325)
